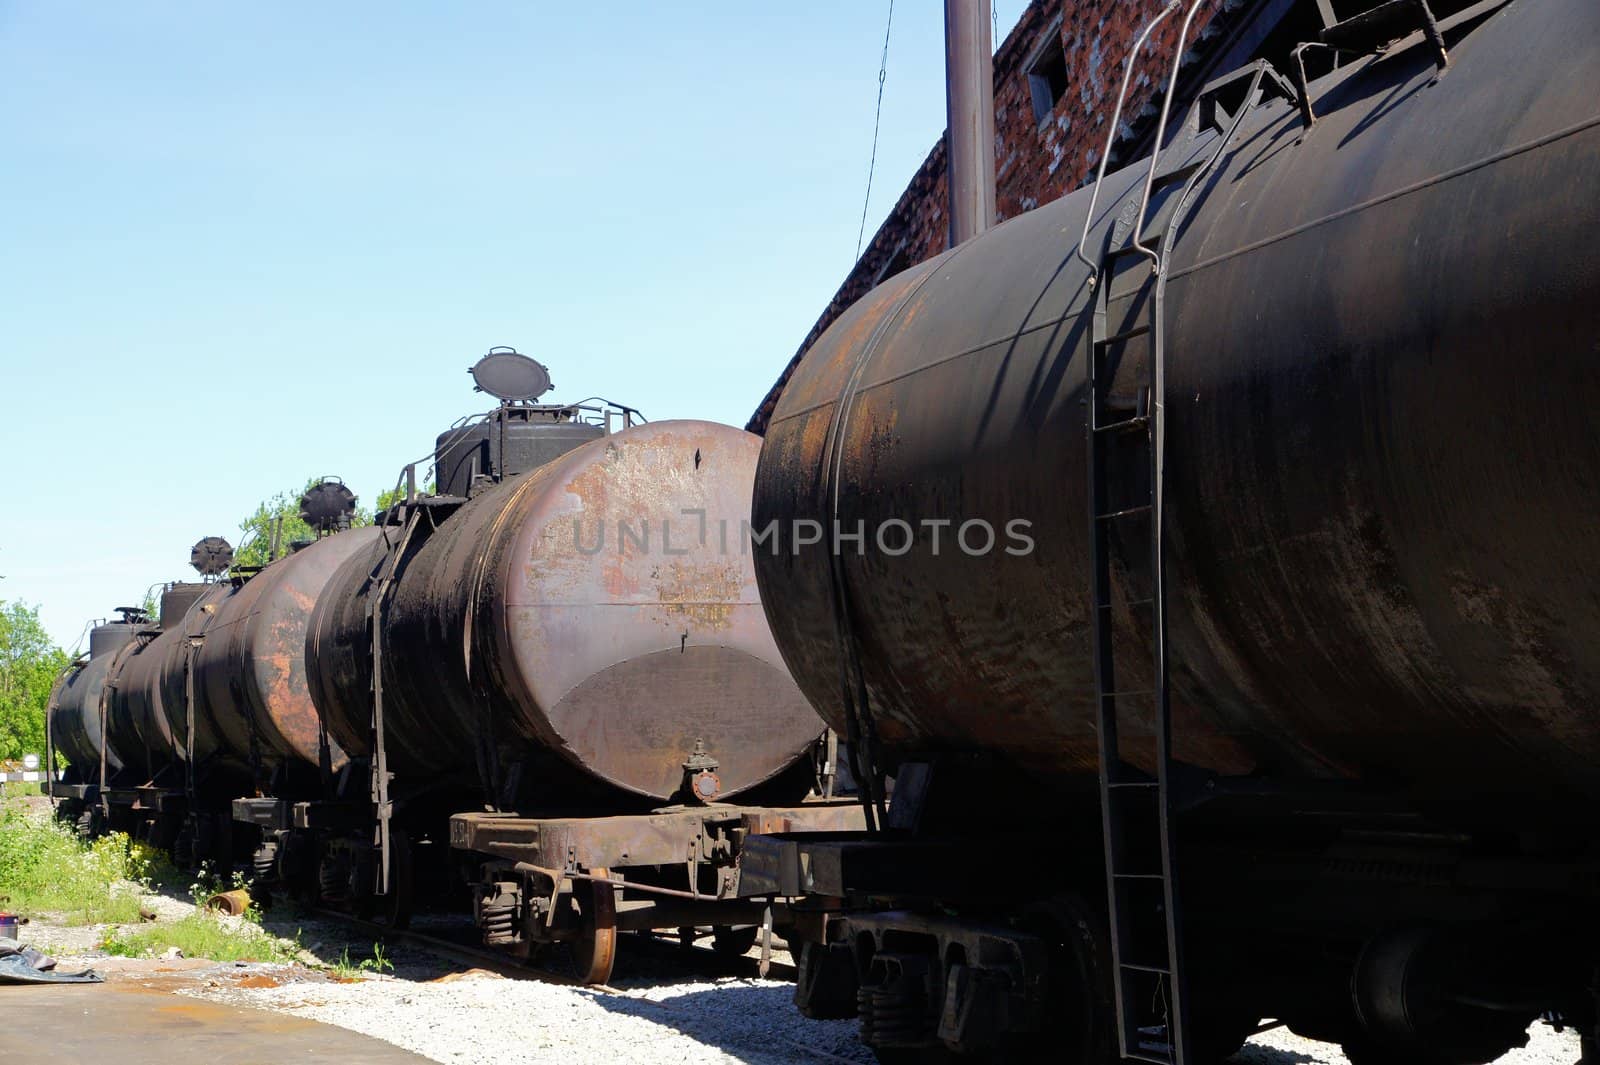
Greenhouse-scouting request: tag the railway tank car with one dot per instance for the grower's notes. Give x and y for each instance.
(1373, 476)
(236, 669)
(606, 665)
(76, 726)
(563, 642)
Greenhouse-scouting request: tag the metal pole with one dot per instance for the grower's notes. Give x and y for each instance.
(969, 116)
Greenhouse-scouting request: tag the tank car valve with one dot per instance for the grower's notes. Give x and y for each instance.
(700, 774)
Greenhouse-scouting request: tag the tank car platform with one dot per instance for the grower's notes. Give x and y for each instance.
(584, 879)
(671, 836)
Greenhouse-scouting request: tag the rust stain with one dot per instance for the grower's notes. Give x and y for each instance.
(704, 595)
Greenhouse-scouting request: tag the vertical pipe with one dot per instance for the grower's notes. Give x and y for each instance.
(969, 115)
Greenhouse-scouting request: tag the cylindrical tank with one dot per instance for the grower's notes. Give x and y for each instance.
(252, 703)
(144, 680)
(1382, 461)
(524, 438)
(125, 738)
(164, 691)
(64, 719)
(177, 598)
(109, 637)
(601, 607)
(136, 698)
(74, 714)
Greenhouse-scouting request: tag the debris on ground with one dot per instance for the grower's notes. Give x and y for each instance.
(24, 965)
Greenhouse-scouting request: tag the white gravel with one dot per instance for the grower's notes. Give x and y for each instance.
(1545, 1046)
(478, 1016)
(482, 1017)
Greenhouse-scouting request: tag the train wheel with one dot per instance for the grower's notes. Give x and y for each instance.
(594, 952)
(1083, 1028)
(395, 908)
(400, 903)
(733, 942)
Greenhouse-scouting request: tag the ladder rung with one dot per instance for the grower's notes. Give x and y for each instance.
(1149, 1055)
(1123, 425)
(1142, 508)
(1137, 876)
(1177, 174)
(1374, 27)
(1126, 334)
(1132, 604)
(1128, 694)
(1130, 249)
(1152, 969)
(1134, 784)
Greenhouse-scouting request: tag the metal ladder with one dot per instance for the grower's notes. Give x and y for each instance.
(380, 777)
(1123, 443)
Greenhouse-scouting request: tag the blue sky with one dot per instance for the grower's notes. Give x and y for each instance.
(247, 244)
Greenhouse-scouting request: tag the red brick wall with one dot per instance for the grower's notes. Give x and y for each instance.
(1035, 163)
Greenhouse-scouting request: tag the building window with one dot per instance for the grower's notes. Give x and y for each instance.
(899, 262)
(1047, 75)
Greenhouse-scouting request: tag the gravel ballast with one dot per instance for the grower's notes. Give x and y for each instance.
(480, 1016)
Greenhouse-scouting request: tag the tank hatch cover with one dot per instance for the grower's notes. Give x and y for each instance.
(509, 375)
(211, 556)
(328, 505)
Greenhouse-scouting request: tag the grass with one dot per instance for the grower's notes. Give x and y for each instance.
(205, 934)
(46, 869)
(202, 934)
(345, 969)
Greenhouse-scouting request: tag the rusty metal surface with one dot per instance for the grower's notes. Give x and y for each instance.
(664, 837)
(137, 698)
(166, 691)
(64, 715)
(75, 721)
(123, 734)
(250, 672)
(596, 657)
(1381, 462)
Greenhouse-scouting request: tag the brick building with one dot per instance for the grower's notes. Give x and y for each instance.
(1056, 76)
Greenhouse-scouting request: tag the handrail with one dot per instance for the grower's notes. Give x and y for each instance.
(1161, 129)
(1111, 135)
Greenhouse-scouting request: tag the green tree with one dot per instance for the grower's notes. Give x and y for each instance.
(29, 664)
(255, 545)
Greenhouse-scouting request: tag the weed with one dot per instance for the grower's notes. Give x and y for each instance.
(46, 868)
(346, 970)
(379, 962)
(202, 935)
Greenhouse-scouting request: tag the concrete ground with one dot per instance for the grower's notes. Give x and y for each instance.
(135, 1019)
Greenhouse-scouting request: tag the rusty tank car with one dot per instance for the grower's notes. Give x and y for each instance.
(1281, 632)
(76, 727)
(553, 672)
(589, 620)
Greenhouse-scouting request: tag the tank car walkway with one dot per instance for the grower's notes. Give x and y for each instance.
(130, 1024)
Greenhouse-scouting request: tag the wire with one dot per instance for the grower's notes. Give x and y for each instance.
(872, 165)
